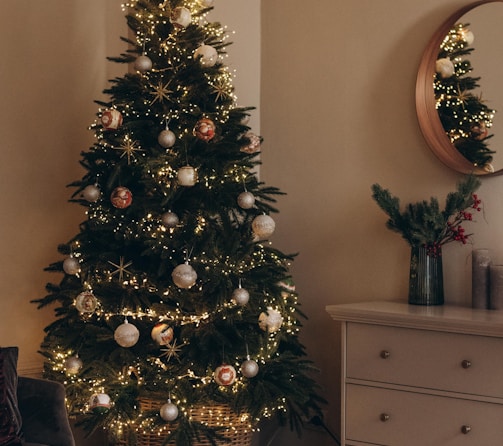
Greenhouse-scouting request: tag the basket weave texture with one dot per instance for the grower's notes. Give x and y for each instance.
(215, 415)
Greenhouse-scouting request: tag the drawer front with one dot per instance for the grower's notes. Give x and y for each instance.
(423, 358)
(398, 418)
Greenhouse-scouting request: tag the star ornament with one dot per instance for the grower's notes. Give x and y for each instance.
(129, 147)
(160, 93)
(221, 90)
(172, 351)
(122, 268)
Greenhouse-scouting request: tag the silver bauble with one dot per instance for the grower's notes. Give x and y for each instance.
(263, 226)
(143, 63)
(73, 364)
(186, 176)
(246, 200)
(184, 276)
(241, 296)
(91, 193)
(170, 219)
(207, 55)
(169, 411)
(71, 266)
(126, 334)
(166, 139)
(249, 368)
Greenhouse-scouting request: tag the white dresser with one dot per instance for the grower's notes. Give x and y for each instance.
(420, 376)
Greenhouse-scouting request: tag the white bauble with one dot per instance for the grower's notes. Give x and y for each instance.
(162, 333)
(184, 276)
(241, 296)
(186, 176)
(207, 55)
(100, 403)
(207, 3)
(73, 364)
(249, 368)
(246, 200)
(169, 411)
(467, 36)
(143, 63)
(166, 139)
(170, 219)
(126, 334)
(225, 375)
(181, 17)
(271, 320)
(444, 67)
(263, 226)
(91, 193)
(71, 266)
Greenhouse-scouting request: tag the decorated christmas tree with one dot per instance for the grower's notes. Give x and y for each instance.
(173, 305)
(462, 111)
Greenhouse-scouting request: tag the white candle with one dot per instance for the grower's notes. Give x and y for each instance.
(480, 278)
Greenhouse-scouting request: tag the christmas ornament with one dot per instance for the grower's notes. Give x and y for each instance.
(121, 268)
(479, 131)
(162, 333)
(241, 296)
(225, 375)
(444, 67)
(184, 276)
(100, 403)
(187, 176)
(86, 302)
(143, 63)
(166, 139)
(121, 197)
(91, 193)
(170, 219)
(249, 368)
(169, 411)
(489, 168)
(111, 119)
(263, 226)
(207, 55)
(271, 320)
(172, 350)
(73, 364)
(466, 35)
(180, 17)
(204, 129)
(207, 3)
(246, 200)
(126, 334)
(71, 266)
(254, 145)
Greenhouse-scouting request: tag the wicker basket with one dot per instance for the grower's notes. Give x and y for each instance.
(239, 434)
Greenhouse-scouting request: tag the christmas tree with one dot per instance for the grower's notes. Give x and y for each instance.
(172, 300)
(464, 116)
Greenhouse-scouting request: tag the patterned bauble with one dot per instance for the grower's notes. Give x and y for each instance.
(100, 403)
(71, 266)
(162, 333)
(91, 193)
(126, 334)
(184, 276)
(253, 146)
(204, 129)
(271, 320)
(207, 55)
(121, 197)
(170, 219)
(263, 226)
(444, 67)
(246, 200)
(169, 411)
(111, 119)
(166, 139)
(249, 368)
(73, 364)
(180, 17)
(143, 63)
(241, 296)
(479, 131)
(86, 302)
(225, 375)
(186, 176)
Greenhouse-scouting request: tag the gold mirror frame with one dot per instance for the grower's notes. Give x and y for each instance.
(427, 115)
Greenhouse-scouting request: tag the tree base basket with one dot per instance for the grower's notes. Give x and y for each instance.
(238, 432)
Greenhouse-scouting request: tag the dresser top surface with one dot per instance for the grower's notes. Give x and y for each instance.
(448, 318)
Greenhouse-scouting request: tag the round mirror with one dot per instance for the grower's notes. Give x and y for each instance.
(479, 149)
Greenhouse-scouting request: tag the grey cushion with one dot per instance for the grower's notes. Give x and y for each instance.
(10, 418)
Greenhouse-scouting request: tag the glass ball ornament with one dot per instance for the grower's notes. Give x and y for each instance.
(91, 193)
(204, 129)
(271, 320)
(73, 364)
(162, 333)
(241, 296)
(71, 266)
(111, 119)
(186, 176)
(143, 63)
(253, 143)
(169, 411)
(166, 139)
(207, 55)
(100, 403)
(263, 226)
(86, 302)
(180, 17)
(246, 200)
(170, 219)
(444, 67)
(184, 276)
(249, 368)
(225, 375)
(121, 197)
(126, 334)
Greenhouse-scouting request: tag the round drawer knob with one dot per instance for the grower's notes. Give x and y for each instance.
(466, 364)
(466, 429)
(385, 417)
(384, 354)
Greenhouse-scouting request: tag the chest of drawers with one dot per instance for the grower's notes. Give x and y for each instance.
(420, 376)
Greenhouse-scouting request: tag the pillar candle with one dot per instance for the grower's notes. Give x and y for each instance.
(480, 278)
(496, 287)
